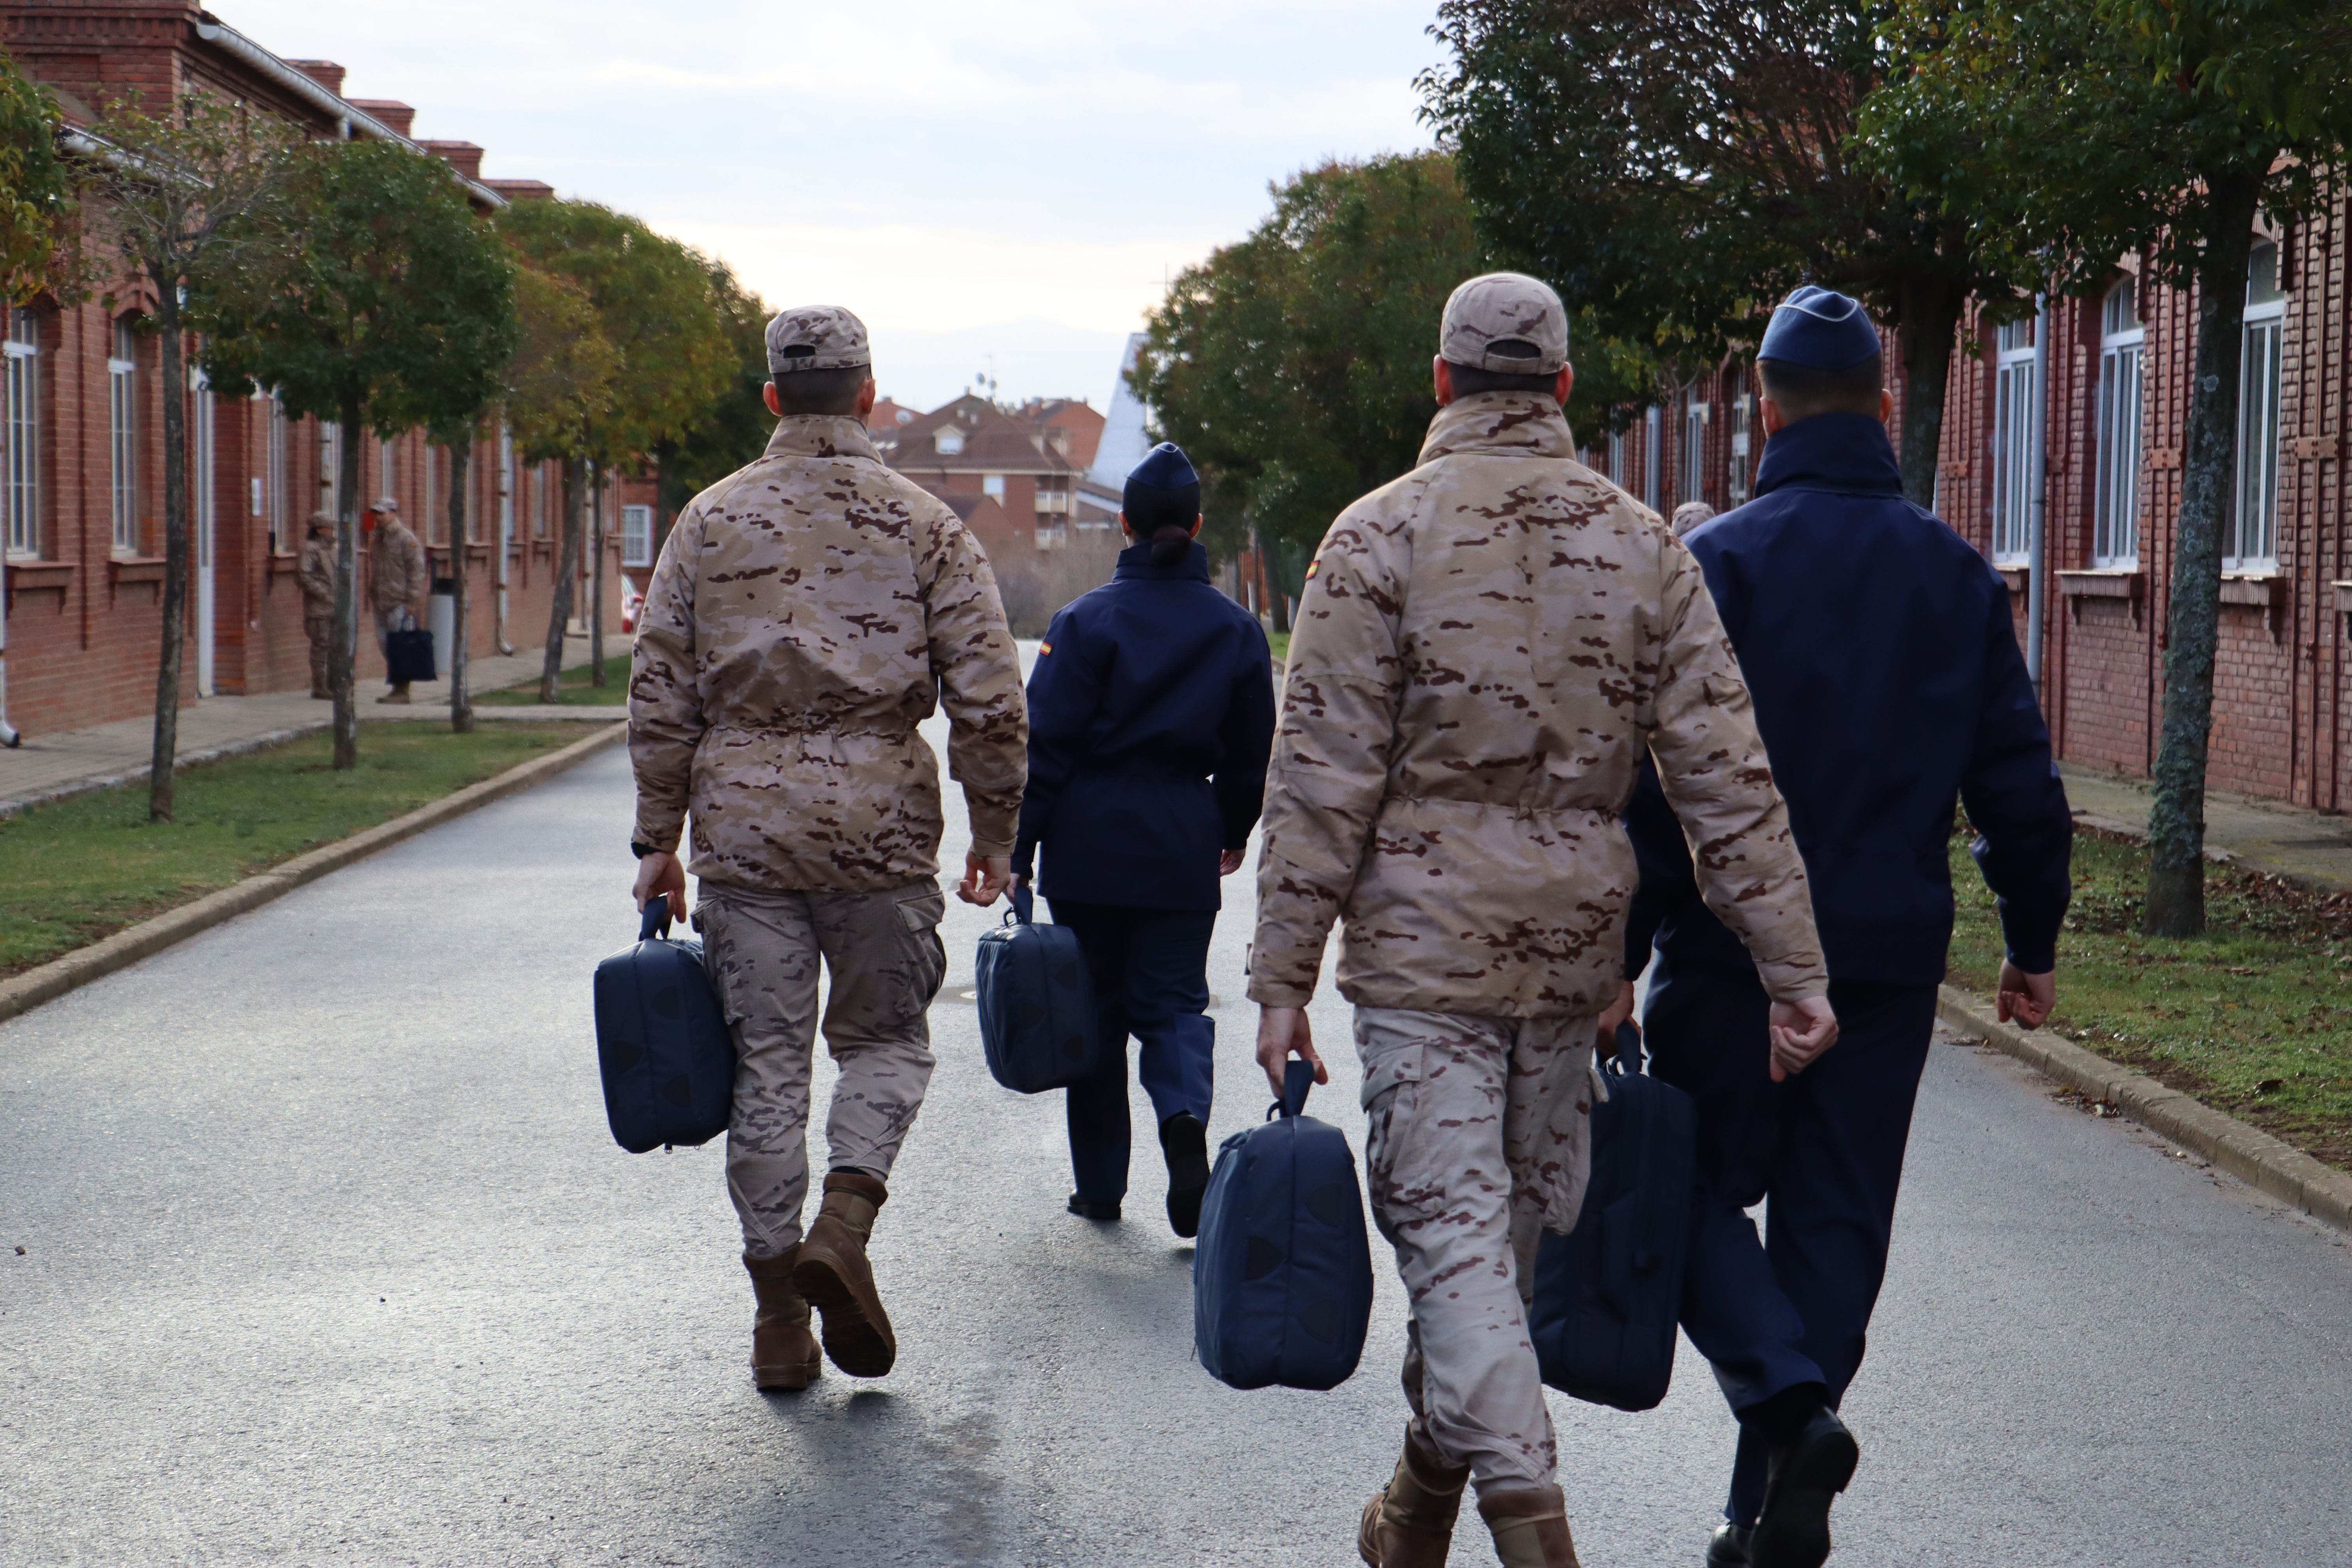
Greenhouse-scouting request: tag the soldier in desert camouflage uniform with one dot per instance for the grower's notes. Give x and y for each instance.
(398, 576)
(315, 573)
(1485, 651)
(806, 614)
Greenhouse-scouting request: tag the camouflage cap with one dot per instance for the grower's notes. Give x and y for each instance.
(817, 337)
(1509, 310)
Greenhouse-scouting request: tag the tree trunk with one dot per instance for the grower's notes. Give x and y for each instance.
(559, 613)
(596, 586)
(461, 456)
(173, 651)
(342, 658)
(2176, 824)
(1932, 309)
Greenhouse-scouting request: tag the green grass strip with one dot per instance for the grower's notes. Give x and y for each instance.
(76, 871)
(575, 686)
(2253, 1018)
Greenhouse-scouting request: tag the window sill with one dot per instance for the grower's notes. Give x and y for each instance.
(2267, 591)
(30, 575)
(125, 569)
(2014, 573)
(2128, 583)
(284, 563)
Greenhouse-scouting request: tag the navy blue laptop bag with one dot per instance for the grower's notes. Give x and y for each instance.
(662, 1041)
(1282, 1279)
(1037, 1003)
(1608, 1294)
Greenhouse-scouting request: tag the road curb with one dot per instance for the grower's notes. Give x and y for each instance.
(2247, 1152)
(78, 968)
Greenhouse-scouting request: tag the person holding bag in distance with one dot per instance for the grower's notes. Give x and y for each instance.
(1150, 717)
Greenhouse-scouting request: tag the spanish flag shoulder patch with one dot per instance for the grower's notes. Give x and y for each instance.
(1044, 648)
(1314, 566)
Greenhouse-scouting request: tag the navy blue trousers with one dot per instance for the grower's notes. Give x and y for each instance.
(1825, 1148)
(1151, 974)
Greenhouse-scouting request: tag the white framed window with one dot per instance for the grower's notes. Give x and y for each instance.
(992, 485)
(270, 485)
(636, 535)
(1617, 459)
(538, 483)
(1741, 407)
(1697, 414)
(2012, 443)
(947, 440)
(20, 431)
(122, 437)
(2116, 529)
(2253, 534)
(1654, 423)
(384, 471)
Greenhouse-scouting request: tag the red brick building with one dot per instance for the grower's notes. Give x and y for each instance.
(1029, 461)
(2120, 365)
(81, 455)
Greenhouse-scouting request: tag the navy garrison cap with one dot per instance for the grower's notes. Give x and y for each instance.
(1821, 329)
(1161, 492)
(1164, 467)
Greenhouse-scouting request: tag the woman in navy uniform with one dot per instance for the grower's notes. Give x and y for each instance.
(1150, 721)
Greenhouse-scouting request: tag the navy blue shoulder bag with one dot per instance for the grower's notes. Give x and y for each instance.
(662, 1041)
(1037, 1003)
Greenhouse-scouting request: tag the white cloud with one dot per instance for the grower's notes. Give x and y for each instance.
(931, 163)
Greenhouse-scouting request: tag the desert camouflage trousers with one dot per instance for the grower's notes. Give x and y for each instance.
(1479, 1141)
(321, 630)
(883, 961)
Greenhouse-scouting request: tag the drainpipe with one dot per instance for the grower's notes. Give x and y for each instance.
(2037, 585)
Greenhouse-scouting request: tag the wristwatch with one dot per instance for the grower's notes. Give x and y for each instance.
(641, 850)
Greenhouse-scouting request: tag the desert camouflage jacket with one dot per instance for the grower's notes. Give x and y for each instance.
(315, 571)
(396, 567)
(1483, 648)
(806, 614)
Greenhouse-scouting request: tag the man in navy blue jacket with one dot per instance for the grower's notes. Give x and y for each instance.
(1151, 721)
(1888, 686)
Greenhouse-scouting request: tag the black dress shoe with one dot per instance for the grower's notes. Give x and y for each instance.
(1086, 1210)
(1807, 1467)
(1186, 1144)
(1728, 1548)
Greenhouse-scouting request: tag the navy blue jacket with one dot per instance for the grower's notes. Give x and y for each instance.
(1151, 721)
(1888, 684)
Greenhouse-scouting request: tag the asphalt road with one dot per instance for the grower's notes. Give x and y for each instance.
(328, 1259)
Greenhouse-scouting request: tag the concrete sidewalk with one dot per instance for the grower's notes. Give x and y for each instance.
(2311, 847)
(47, 767)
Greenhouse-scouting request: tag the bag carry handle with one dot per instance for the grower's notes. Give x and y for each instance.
(656, 920)
(1297, 1078)
(1629, 1049)
(1025, 904)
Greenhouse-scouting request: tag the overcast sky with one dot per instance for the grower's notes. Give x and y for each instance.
(994, 184)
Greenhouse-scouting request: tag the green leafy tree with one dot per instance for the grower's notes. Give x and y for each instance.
(1293, 367)
(2160, 127)
(559, 390)
(480, 334)
(184, 198)
(734, 428)
(654, 305)
(378, 286)
(37, 204)
(1675, 168)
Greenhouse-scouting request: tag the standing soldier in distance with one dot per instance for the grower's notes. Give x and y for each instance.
(1151, 715)
(1887, 682)
(1484, 651)
(398, 577)
(806, 614)
(316, 574)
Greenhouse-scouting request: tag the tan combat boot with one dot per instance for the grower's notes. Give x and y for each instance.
(783, 1352)
(1530, 1528)
(1409, 1523)
(834, 1274)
